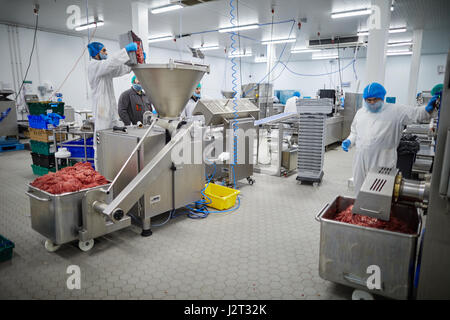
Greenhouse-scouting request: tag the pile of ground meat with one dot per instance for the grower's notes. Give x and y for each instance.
(70, 179)
(394, 224)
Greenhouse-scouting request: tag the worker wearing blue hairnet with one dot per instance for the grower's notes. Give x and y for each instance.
(291, 103)
(376, 131)
(187, 112)
(101, 71)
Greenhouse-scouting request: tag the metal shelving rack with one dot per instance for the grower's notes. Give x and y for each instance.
(74, 132)
(311, 138)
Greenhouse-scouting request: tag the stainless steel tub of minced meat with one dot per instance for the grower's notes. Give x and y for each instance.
(347, 250)
(58, 217)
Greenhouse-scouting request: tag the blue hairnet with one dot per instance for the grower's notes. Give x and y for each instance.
(296, 94)
(94, 48)
(374, 90)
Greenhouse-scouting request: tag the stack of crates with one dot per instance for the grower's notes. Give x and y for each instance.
(42, 140)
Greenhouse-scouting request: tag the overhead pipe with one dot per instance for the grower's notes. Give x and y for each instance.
(19, 53)
(11, 60)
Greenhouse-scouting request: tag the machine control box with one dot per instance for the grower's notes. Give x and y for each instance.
(375, 197)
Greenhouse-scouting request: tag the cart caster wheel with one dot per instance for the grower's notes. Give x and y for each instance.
(250, 181)
(50, 246)
(146, 233)
(362, 295)
(86, 245)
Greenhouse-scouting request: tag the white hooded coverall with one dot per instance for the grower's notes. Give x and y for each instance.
(186, 114)
(104, 105)
(291, 104)
(376, 137)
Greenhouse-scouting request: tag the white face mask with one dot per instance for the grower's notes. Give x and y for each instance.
(374, 107)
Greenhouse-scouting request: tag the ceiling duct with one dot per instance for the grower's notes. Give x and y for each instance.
(342, 42)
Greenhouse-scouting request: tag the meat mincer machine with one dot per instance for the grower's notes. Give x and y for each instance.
(145, 181)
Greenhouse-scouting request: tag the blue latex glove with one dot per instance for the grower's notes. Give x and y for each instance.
(53, 118)
(346, 144)
(4, 114)
(131, 47)
(430, 106)
(145, 56)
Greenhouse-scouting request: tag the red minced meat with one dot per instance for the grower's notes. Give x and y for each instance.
(70, 179)
(394, 224)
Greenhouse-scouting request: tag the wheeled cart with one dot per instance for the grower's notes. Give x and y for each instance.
(61, 220)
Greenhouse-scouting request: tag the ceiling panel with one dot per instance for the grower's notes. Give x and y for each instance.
(431, 15)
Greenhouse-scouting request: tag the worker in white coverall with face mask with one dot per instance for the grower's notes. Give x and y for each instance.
(376, 131)
(101, 71)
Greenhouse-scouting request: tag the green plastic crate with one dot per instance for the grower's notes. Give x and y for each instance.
(40, 171)
(37, 108)
(6, 249)
(42, 147)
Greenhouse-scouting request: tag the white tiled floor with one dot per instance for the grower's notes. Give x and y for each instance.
(268, 249)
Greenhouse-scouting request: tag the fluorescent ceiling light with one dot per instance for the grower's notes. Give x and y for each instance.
(158, 39)
(324, 57)
(239, 55)
(304, 50)
(278, 41)
(398, 53)
(89, 25)
(351, 13)
(400, 43)
(260, 59)
(391, 30)
(239, 28)
(169, 7)
(397, 30)
(206, 48)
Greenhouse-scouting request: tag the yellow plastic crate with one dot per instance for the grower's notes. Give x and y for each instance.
(222, 198)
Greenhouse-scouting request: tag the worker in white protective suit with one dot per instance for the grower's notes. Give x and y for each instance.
(101, 71)
(186, 114)
(376, 131)
(291, 103)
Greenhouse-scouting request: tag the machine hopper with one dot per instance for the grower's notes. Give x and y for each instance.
(170, 85)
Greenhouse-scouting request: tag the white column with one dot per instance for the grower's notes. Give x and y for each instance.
(139, 21)
(415, 66)
(271, 60)
(378, 26)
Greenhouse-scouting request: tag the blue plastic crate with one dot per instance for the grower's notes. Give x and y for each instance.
(78, 150)
(6, 249)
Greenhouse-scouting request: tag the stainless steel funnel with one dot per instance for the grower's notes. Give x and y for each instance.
(170, 85)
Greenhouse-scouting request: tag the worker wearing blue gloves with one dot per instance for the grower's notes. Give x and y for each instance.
(376, 132)
(101, 71)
